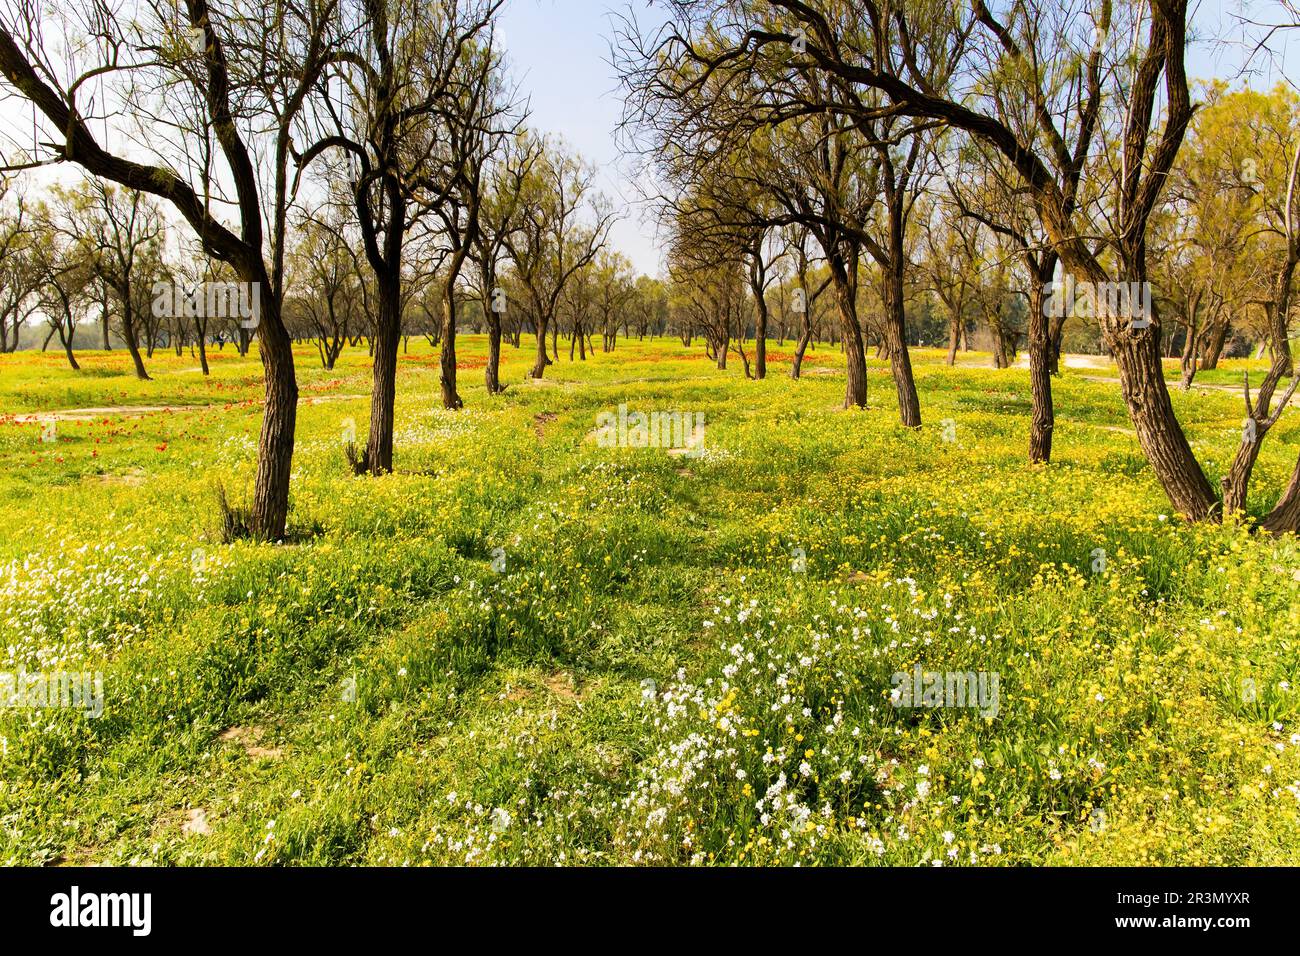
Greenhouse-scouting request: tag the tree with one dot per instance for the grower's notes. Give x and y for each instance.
(325, 283)
(473, 124)
(177, 82)
(385, 99)
(553, 242)
(1147, 48)
(65, 279)
(120, 234)
(19, 281)
(498, 219)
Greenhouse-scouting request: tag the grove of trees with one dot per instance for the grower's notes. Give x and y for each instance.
(853, 174)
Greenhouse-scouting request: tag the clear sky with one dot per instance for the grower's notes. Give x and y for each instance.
(559, 51)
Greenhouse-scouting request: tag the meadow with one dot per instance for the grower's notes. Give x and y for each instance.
(525, 648)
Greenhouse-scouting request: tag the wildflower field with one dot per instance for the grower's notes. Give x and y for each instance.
(526, 648)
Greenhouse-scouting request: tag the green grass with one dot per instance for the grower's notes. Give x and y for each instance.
(683, 659)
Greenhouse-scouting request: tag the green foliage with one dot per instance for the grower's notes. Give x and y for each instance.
(524, 648)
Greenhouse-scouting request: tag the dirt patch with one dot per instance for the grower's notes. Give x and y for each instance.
(250, 738)
(541, 421)
(132, 478)
(79, 856)
(561, 685)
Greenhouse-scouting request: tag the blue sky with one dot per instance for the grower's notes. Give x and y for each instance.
(559, 50)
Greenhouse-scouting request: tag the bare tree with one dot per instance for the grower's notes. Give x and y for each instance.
(156, 52)
(563, 224)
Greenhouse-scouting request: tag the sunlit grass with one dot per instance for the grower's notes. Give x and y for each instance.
(524, 648)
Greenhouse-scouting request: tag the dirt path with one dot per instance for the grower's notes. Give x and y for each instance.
(1196, 386)
(140, 411)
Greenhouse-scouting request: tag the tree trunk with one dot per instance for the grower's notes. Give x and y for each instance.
(1142, 383)
(450, 397)
(1043, 419)
(1214, 344)
(270, 511)
(1191, 345)
(539, 368)
(802, 346)
(1236, 483)
(132, 346)
(855, 389)
(895, 344)
(378, 459)
(1056, 331)
(67, 348)
(492, 374)
(999, 342)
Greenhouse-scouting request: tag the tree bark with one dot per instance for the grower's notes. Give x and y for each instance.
(1043, 418)
(379, 444)
(450, 397)
(895, 345)
(1142, 383)
(270, 511)
(855, 389)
